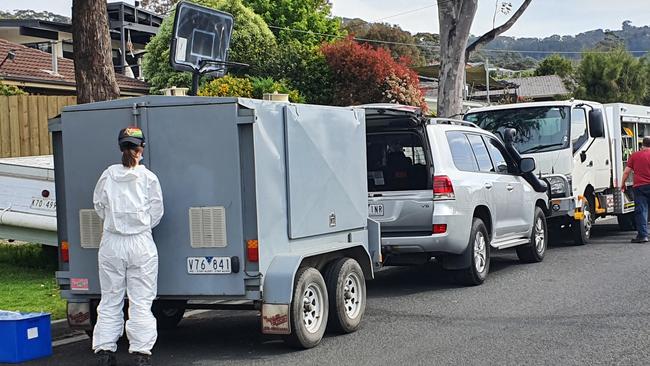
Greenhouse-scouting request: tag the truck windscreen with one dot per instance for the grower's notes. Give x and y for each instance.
(539, 129)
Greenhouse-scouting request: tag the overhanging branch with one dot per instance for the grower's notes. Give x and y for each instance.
(491, 35)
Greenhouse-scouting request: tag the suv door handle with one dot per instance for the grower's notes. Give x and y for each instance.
(509, 187)
(488, 185)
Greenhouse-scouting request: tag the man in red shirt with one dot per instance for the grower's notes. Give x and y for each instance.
(639, 163)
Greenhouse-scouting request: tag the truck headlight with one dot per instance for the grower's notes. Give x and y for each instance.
(558, 185)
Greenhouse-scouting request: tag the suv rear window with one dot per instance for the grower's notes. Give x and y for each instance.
(396, 162)
(461, 152)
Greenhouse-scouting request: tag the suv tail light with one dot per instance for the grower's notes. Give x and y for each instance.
(442, 188)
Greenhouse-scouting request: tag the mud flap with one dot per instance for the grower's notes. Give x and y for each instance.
(276, 319)
(79, 316)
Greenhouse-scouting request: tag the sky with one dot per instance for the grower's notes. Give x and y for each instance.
(543, 18)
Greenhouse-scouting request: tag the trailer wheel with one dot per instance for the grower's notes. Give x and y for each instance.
(626, 222)
(309, 309)
(535, 250)
(168, 313)
(582, 228)
(346, 287)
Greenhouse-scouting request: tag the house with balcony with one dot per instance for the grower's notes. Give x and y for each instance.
(131, 28)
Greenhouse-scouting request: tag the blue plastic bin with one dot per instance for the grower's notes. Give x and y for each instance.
(25, 336)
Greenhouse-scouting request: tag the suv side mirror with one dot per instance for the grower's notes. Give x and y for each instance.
(596, 123)
(527, 165)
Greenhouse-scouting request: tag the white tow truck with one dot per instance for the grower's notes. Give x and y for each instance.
(28, 199)
(581, 148)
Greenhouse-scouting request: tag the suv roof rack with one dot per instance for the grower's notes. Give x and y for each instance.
(450, 121)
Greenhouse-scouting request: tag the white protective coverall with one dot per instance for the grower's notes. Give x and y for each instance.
(129, 200)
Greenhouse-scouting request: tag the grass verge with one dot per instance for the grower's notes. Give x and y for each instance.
(27, 280)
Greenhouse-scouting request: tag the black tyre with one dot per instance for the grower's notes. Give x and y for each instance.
(309, 309)
(346, 288)
(168, 313)
(626, 222)
(534, 251)
(582, 228)
(479, 255)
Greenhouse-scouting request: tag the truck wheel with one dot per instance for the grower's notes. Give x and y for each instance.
(479, 255)
(626, 222)
(168, 313)
(309, 309)
(535, 250)
(346, 288)
(582, 228)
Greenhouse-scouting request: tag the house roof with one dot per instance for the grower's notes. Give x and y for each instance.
(38, 24)
(31, 65)
(475, 76)
(540, 86)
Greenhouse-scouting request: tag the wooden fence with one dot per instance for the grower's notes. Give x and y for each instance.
(23, 123)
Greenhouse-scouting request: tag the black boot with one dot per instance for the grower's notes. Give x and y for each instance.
(106, 358)
(142, 359)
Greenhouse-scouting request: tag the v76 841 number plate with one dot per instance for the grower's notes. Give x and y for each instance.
(208, 265)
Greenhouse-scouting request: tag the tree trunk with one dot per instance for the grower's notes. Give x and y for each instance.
(455, 17)
(93, 62)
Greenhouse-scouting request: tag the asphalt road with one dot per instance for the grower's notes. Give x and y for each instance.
(582, 306)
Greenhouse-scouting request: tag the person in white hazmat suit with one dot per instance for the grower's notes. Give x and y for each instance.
(128, 198)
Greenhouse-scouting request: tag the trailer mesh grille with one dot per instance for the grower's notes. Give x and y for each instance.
(208, 227)
(91, 228)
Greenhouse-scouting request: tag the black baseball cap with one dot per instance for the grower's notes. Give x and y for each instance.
(132, 135)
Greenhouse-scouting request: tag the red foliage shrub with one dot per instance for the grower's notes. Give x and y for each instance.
(363, 74)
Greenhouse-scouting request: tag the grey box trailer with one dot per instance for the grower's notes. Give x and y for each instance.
(265, 206)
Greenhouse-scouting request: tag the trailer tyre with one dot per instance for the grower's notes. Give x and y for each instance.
(309, 309)
(168, 313)
(479, 255)
(582, 228)
(534, 251)
(347, 295)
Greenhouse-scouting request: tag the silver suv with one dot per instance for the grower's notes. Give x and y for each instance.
(448, 189)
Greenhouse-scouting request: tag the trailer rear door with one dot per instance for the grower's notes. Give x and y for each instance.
(194, 151)
(194, 148)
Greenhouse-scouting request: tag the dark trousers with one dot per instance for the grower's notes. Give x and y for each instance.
(641, 200)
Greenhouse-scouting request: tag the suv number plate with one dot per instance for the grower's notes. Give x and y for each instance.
(376, 210)
(208, 265)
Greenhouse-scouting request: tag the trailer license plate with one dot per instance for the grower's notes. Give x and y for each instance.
(376, 210)
(208, 265)
(45, 204)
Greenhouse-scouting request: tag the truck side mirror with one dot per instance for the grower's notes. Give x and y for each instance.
(527, 165)
(596, 123)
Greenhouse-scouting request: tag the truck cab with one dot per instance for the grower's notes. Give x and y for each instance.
(572, 147)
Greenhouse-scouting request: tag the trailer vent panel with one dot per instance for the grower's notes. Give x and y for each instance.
(208, 227)
(91, 228)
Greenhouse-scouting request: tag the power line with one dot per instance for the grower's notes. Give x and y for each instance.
(438, 47)
(404, 13)
(425, 46)
(355, 38)
(552, 52)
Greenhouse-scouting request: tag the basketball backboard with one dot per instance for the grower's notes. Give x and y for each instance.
(200, 39)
